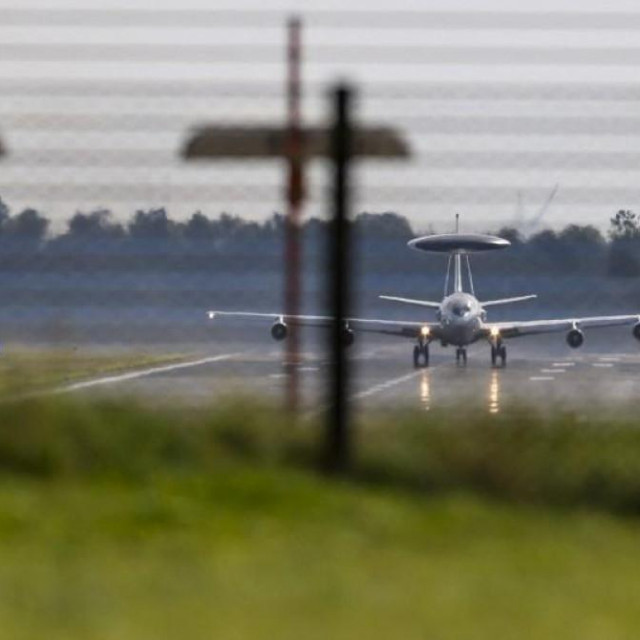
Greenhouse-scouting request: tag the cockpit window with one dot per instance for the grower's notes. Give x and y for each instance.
(461, 309)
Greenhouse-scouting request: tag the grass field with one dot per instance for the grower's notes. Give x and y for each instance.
(118, 522)
(24, 371)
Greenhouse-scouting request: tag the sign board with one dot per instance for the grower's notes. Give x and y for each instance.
(222, 142)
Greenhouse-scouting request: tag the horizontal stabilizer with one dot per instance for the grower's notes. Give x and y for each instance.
(493, 303)
(419, 303)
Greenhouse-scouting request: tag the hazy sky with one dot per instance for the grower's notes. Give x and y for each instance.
(299, 5)
(492, 157)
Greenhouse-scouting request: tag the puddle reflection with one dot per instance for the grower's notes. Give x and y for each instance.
(492, 397)
(494, 392)
(425, 391)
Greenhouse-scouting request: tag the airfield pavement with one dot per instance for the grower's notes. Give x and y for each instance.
(542, 371)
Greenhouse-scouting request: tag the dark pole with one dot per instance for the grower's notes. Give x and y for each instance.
(294, 209)
(338, 436)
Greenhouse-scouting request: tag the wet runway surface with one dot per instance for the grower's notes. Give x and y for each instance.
(541, 371)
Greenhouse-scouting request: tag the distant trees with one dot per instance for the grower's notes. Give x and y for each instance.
(625, 225)
(199, 228)
(584, 235)
(96, 225)
(150, 237)
(545, 239)
(4, 212)
(624, 250)
(511, 234)
(384, 225)
(29, 225)
(153, 224)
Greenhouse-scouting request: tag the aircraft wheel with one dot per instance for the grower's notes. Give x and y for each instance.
(461, 356)
(425, 355)
(503, 355)
(416, 357)
(421, 356)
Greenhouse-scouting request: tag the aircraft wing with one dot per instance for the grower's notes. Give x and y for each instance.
(409, 329)
(529, 327)
(420, 303)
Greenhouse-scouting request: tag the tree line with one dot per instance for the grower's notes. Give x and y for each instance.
(202, 240)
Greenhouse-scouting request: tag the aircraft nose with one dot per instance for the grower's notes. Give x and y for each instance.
(461, 311)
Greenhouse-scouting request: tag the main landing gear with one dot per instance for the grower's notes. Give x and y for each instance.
(421, 355)
(461, 356)
(498, 351)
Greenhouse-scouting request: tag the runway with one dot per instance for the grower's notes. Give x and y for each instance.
(541, 371)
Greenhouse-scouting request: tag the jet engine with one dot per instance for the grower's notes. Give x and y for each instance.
(279, 330)
(636, 331)
(575, 338)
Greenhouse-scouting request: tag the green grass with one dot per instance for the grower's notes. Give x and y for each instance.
(121, 522)
(263, 554)
(24, 371)
(520, 455)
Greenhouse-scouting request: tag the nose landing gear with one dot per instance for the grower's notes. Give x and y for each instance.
(421, 355)
(498, 351)
(461, 356)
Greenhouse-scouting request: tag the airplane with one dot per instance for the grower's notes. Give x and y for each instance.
(460, 318)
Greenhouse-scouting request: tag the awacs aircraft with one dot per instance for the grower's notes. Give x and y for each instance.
(460, 318)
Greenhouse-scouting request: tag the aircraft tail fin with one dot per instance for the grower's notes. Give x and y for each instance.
(493, 303)
(419, 303)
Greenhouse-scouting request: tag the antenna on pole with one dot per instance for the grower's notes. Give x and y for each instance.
(457, 222)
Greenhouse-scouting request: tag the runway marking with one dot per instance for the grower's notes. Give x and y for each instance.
(610, 359)
(133, 375)
(603, 365)
(556, 370)
(540, 378)
(563, 364)
(383, 386)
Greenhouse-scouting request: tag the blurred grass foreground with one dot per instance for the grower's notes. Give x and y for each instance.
(119, 521)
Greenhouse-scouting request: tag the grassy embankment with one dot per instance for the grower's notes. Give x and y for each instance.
(24, 371)
(119, 522)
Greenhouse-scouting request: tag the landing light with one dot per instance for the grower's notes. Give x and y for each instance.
(425, 331)
(211, 315)
(495, 332)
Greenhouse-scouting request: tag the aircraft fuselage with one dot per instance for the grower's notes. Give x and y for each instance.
(461, 318)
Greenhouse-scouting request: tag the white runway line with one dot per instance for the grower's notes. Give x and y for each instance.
(540, 378)
(556, 370)
(563, 364)
(603, 365)
(133, 375)
(383, 386)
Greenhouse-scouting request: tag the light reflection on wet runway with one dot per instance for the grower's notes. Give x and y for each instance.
(494, 392)
(492, 396)
(425, 390)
